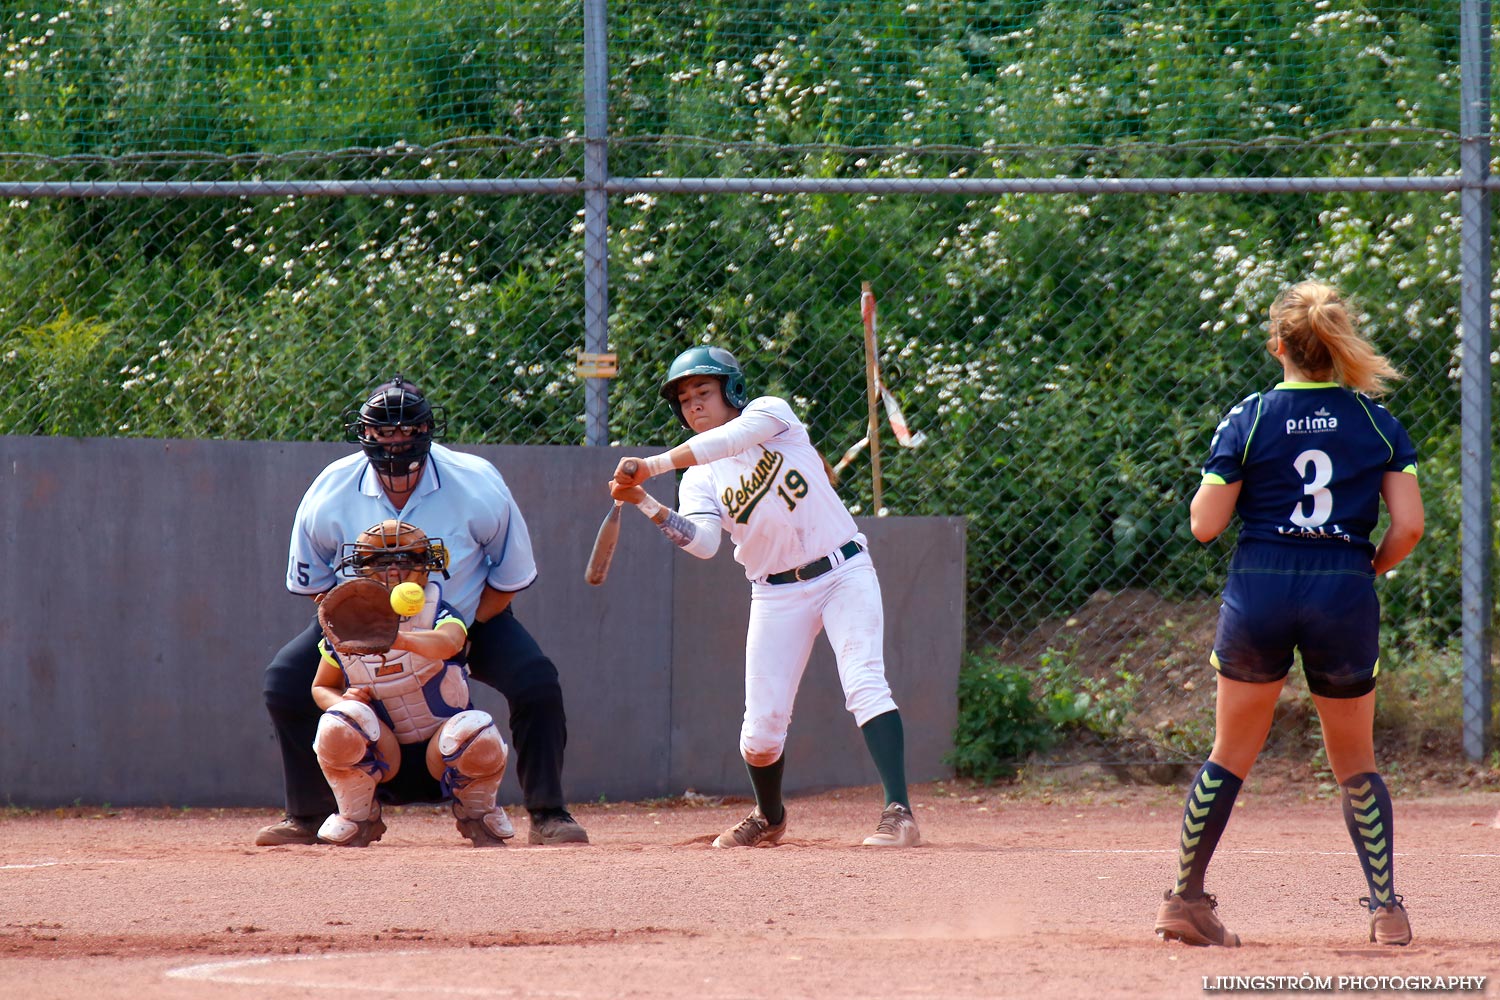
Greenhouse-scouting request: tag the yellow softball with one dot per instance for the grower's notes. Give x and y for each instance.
(407, 599)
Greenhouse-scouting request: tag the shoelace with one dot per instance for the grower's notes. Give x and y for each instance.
(890, 822)
(1398, 902)
(750, 826)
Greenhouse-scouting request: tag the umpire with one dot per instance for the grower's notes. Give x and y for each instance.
(462, 500)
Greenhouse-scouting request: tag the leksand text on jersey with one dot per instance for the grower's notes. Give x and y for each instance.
(740, 500)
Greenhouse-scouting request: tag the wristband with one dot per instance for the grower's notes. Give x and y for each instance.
(657, 464)
(649, 506)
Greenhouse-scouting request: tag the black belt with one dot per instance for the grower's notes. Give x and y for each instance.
(817, 567)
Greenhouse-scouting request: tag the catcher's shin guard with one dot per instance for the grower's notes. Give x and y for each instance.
(474, 758)
(345, 745)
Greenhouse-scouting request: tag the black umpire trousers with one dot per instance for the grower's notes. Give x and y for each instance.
(502, 654)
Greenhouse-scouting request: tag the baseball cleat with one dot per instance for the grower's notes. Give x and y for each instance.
(1193, 921)
(1388, 923)
(753, 831)
(555, 828)
(341, 832)
(492, 829)
(897, 828)
(291, 830)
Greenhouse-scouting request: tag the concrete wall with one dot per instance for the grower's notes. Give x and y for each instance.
(143, 597)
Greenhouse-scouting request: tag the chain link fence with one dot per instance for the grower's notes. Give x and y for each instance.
(225, 219)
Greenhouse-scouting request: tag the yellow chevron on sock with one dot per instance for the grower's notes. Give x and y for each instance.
(1361, 790)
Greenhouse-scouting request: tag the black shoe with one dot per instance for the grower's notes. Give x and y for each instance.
(555, 827)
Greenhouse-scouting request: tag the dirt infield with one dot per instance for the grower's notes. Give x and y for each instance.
(1011, 896)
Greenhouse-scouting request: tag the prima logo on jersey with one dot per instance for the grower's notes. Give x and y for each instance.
(741, 500)
(1320, 421)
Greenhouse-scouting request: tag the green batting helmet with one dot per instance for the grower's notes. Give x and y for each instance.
(706, 360)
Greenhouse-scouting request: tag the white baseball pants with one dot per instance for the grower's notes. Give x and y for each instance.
(784, 621)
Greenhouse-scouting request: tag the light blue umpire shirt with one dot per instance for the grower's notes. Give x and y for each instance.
(461, 499)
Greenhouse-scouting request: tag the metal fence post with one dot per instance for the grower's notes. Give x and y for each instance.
(1476, 474)
(595, 214)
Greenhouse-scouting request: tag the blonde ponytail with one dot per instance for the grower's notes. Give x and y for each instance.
(1312, 321)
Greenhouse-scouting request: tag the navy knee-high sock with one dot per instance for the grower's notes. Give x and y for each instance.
(1367, 814)
(1210, 802)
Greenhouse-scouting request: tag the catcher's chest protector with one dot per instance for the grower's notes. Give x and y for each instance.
(418, 693)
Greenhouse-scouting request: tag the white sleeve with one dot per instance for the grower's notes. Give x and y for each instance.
(757, 424)
(696, 503)
(705, 535)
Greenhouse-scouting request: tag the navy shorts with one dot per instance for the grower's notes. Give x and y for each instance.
(1316, 600)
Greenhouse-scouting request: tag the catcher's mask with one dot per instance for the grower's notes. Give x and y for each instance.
(393, 544)
(397, 404)
(705, 360)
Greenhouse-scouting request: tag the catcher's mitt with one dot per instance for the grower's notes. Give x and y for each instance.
(358, 619)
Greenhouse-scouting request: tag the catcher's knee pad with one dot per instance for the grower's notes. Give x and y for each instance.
(345, 746)
(346, 732)
(474, 757)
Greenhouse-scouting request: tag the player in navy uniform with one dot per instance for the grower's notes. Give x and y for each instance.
(400, 473)
(1306, 466)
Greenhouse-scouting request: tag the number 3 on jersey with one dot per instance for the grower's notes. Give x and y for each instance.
(1322, 500)
(794, 482)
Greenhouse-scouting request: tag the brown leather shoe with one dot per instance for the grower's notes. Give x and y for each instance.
(291, 830)
(1193, 921)
(555, 828)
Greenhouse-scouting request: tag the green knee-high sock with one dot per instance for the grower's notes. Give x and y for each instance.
(1367, 814)
(886, 739)
(767, 784)
(1210, 802)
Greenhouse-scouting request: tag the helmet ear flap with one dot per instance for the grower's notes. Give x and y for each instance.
(735, 392)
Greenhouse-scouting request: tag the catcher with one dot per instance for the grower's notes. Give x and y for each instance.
(397, 724)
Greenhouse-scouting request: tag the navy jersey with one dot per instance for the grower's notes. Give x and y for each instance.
(1310, 457)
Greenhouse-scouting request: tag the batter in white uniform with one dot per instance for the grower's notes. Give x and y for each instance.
(753, 471)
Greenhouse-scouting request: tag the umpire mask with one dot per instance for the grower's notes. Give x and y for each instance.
(395, 426)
